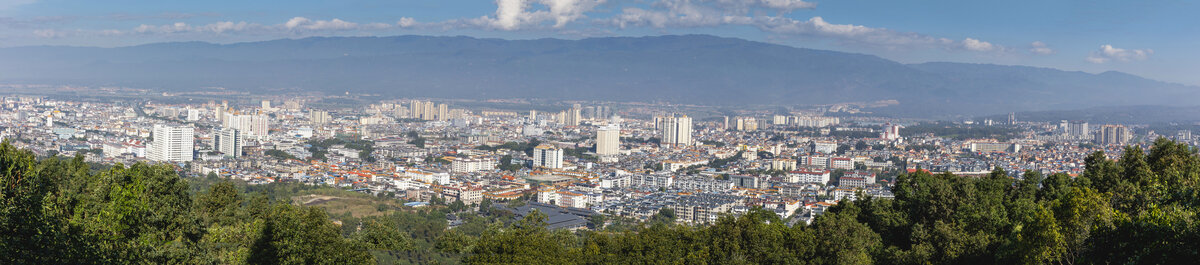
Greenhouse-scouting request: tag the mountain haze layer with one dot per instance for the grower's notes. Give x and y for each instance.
(683, 69)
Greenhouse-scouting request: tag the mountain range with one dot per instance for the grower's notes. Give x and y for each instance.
(698, 69)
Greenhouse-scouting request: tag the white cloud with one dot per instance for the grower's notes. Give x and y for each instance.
(518, 14)
(1108, 53)
(788, 5)
(49, 33)
(687, 13)
(1039, 47)
(303, 23)
(163, 29)
(406, 22)
(977, 45)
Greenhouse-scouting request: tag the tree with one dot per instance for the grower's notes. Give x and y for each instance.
(457, 206)
(383, 235)
(220, 205)
(296, 235)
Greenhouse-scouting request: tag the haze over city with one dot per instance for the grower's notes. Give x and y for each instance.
(598, 132)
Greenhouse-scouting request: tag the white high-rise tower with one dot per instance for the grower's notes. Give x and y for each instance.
(677, 131)
(228, 141)
(608, 140)
(172, 143)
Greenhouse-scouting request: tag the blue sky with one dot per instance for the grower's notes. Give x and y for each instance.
(1152, 38)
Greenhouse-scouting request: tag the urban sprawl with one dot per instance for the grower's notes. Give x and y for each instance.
(586, 158)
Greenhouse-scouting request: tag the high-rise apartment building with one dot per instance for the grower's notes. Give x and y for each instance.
(677, 131)
(443, 112)
(319, 117)
(1078, 128)
(228, 141)
(746, 124)
(547, 156)
(252, 125)
(1113, 135)
(608, 140)
(172, 143)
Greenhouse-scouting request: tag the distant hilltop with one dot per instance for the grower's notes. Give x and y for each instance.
(698, 69)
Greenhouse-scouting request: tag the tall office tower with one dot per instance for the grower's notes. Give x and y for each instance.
(228, 141)
(266, 104)
(547, 156)
(608, 140)
(1079, 128)
(725, 123)
(677, 131)
(429, 112)
(1113, 135)
(319, 117)
(173, 143)
(443, 112)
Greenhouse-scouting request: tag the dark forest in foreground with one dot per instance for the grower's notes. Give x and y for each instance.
(1141, 209)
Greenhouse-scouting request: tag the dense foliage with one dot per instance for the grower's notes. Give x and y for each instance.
(58, 211)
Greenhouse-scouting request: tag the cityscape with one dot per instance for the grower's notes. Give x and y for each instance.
(597, 132)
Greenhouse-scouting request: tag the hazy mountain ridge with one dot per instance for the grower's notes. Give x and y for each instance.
(686, 69)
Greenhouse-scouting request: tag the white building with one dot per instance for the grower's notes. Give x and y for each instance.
(890, 132)
(252, 126)
(472, 164)
(547, 156)
(825, 147)
(228, 141)
(677, 131)
(808, 175)
(173, 143)
(608, 140)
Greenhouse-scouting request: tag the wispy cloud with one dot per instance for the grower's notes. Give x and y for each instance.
(684, 13)
(1039, 47)
(1108, 53)
(294, 26)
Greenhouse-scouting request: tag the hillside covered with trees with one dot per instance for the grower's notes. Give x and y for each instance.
(1140, 209)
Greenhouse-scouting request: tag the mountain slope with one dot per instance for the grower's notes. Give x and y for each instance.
(686, 69)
